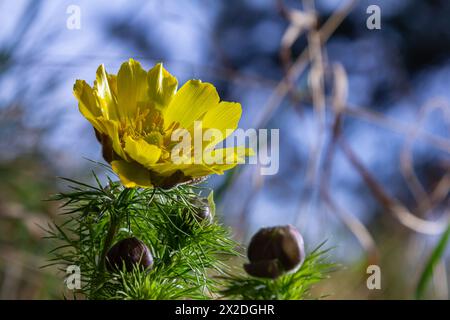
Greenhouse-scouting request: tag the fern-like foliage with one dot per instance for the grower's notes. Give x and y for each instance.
(291, 286)
(191, 253)
(186, 249)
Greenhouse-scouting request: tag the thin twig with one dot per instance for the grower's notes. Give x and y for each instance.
(300, 64)
(391, 204)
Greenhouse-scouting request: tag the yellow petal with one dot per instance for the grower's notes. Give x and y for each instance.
(191, 170)
(131, 88)
(198, 170)
(87, 103)
(105, 97)
(131, 174)
(190, 103)
(227, 156)
(144, 153)
(220, 168)
(161, 86)
(112, 81)
(111, 129)
(225, 117)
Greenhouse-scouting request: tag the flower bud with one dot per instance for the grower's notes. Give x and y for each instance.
(274, 251)
(202, 210)
(129, 252)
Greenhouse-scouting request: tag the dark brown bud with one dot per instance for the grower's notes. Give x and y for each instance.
(264, 269)
(202, 210)
(129, 252)
(274, 251)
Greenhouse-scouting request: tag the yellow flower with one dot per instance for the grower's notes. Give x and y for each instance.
(135, 114)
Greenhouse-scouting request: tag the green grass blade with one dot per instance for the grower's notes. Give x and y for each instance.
(436, 255)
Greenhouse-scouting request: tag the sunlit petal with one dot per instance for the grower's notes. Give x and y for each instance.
(161, 86)
(132, 174)
(190, 103)
(105, 97)
(141, 151)
(225, 117)
(131, 88)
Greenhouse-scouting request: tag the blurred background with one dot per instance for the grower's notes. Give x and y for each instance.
(363, 114)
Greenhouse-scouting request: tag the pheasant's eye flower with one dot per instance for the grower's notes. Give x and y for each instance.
(135, 114)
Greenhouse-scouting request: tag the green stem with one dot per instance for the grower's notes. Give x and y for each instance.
(113, 227)
(111, 234)
(112, 231)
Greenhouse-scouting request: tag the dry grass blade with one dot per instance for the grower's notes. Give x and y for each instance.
(392, 205)
(425, 201)
(340, 88)
(396, 126)
(339, 99)
(301, 62)
(299, 22)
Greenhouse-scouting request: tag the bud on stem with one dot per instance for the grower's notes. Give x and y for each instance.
(130, 253)
(274, 251)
